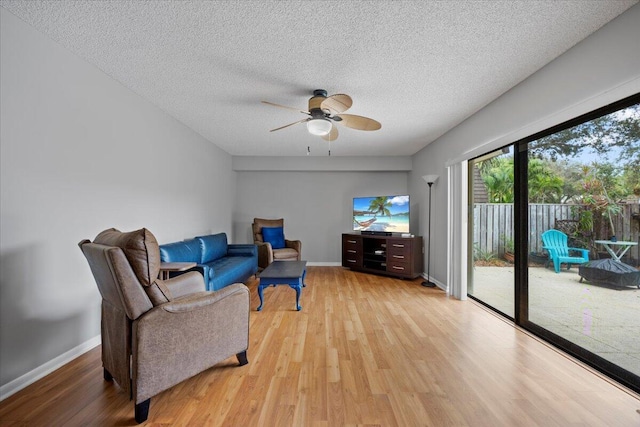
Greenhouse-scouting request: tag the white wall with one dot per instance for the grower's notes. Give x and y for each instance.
(603, 68)
(81, 153)
(316, 205)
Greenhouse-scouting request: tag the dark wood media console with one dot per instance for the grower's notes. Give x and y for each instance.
(393, 256)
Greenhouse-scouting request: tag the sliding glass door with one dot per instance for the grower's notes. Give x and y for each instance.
(583, 183)
(573, 221)
(491, 184)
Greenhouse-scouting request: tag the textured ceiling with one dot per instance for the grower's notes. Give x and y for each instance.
(420, 68)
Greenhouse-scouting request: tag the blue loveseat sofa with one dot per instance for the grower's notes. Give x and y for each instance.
(221, 264)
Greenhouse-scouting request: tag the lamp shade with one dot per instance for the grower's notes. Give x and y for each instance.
(319, 126)
(430, 179)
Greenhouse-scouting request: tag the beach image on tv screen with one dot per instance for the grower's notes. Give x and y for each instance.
(385, 213)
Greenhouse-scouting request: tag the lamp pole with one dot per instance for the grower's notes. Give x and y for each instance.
(430, 179)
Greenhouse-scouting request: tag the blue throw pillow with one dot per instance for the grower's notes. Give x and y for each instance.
(273, 235)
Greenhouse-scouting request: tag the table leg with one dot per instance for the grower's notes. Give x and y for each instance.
(622, 251)
(611, 252)
(260, 291)
(298, 289)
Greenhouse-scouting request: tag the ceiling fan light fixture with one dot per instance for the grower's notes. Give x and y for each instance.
(319, 127)
(324, 110)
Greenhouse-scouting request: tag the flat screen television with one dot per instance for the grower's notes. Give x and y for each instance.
(388, 214)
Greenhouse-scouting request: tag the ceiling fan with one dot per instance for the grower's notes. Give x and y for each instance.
(324, 111)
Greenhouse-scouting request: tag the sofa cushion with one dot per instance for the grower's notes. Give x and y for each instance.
(212, 247)
(275, 236)
(229, 270)
(186, 251)
(141, 249)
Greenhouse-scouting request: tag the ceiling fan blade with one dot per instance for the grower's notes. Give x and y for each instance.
(290, 124)
(358, 122)
(332, 135)
(338, 103)
(284, 106)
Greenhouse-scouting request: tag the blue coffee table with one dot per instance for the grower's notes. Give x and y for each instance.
(290, 273)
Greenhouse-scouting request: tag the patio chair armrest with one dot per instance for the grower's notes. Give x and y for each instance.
(585, 252)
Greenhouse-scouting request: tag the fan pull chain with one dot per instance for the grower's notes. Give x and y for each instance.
(308, 150)
(329, 148)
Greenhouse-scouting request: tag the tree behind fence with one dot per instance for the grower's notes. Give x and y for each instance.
(494, 223)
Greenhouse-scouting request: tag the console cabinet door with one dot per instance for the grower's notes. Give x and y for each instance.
(352, 251)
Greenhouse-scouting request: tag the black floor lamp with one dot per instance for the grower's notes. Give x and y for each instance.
(430, 179)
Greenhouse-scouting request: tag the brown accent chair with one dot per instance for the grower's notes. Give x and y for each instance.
(157, 333)
(266, 254)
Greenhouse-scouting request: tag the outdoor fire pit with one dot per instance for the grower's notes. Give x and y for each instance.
(609, 272)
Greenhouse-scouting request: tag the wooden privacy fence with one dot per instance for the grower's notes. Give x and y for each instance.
(494, 224)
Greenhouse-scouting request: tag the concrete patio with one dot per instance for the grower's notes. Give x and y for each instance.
(604, 320)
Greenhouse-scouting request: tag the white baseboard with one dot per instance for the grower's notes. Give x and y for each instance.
(44, 370)
(324, 264)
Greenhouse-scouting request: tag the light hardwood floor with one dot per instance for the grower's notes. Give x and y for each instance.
(364, 350)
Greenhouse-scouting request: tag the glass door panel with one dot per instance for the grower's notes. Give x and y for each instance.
(583, 183)
(491, 193)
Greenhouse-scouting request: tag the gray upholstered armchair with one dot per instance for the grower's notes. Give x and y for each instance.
(157, 333)
(287, 250)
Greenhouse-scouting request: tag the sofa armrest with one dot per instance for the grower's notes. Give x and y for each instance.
(242, 249)
(185, 284)
(179, 339)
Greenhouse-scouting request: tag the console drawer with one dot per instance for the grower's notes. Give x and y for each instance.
(398, 257)
(352, 251)
(400, 248)
(398, 267)
(351, 259)
(352, 243)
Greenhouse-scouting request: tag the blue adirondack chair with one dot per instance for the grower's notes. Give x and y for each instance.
(555, 242)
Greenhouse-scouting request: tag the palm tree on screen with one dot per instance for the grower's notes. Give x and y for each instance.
(380, 205)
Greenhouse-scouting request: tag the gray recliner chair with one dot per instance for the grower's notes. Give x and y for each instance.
(157, 333)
